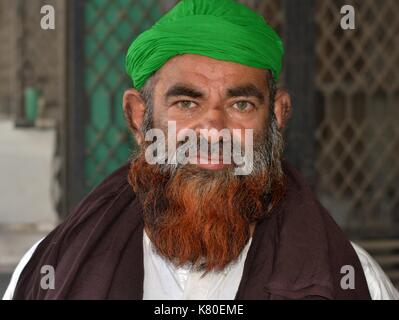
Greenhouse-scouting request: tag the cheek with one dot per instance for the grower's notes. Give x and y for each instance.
(254, 126)
(160, 117)
(257, 121)
(166, 121)
(184, 118)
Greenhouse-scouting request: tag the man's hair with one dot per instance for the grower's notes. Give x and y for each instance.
(146, 93)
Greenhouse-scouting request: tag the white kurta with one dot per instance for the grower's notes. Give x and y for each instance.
(163, 281)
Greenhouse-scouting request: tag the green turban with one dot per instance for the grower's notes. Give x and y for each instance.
(219, 29)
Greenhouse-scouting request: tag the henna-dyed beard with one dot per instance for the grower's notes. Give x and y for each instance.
(203, 217)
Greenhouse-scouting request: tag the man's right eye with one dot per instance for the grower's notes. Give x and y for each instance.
(186, 104)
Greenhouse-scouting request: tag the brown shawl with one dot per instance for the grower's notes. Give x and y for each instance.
(296, 253)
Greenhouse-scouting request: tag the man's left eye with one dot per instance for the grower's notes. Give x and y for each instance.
(244, 105)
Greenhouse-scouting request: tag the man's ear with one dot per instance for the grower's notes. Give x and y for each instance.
(282, 108)
(134, 109)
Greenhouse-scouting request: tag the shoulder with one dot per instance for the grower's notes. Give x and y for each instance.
(8, 295)
(106, 201)
(380, 287)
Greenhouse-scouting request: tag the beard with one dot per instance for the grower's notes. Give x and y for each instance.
(203, 217)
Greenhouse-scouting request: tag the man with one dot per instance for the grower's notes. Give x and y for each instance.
(185, 220)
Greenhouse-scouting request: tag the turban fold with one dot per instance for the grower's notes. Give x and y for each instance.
(219, 29)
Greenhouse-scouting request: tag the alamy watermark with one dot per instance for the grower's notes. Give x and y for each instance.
(47, 21)
(348, 280)
(47, 281)
(348, 20)
(210, 146)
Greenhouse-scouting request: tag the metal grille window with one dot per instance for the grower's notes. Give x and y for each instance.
(357, 136)
(41, 63)
(110, 26)
(7, 56)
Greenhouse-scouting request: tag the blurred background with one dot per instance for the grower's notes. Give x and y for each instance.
(62, 128)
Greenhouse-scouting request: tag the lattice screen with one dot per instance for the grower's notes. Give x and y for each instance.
(7, 55)
(272, 10)
(110, 28)
(357, 112)
(43, 53)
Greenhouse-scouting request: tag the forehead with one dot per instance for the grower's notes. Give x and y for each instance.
(201, 70)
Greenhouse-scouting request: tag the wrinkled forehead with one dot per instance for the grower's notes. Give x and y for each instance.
(202, 71)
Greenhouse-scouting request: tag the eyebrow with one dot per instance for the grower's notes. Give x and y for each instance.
(183, 90)
(248, 90)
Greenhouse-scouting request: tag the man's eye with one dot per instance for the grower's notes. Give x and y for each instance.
(186, 104)
(243, 105)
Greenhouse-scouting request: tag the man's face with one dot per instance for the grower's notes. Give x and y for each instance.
(198, 92)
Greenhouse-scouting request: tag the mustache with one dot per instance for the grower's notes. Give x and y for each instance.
(238, 156)
(265, 154)
(204, 147)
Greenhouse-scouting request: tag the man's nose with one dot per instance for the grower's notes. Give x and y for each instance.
(213, 119)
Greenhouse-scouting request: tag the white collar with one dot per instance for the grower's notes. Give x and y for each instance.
(188, 268)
